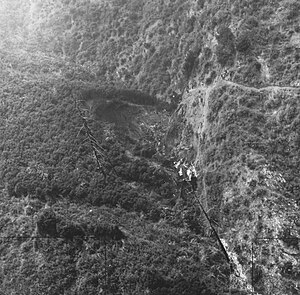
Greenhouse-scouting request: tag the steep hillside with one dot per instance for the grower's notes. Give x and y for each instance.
(239, 122)
(65, 228)
(90, 201)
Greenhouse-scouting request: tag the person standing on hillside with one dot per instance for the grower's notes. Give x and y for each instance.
(181, 167)
(184, 171)
(192, 176)
(193, 182)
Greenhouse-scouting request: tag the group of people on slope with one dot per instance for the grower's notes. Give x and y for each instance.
(187, 173)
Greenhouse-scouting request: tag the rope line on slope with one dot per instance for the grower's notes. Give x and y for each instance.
(212, 227)
(99, 153)
(194, 193)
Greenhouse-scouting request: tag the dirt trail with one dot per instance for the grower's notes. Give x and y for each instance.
(251, 88)
(206, 91)
(206, 108)
(220, 82)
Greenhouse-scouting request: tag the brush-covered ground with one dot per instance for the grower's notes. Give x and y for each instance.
(239, 121)
(64, 229)
(232, 67)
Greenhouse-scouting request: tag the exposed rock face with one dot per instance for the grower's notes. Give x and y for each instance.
(239, 122)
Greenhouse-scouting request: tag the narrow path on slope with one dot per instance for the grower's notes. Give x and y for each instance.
(206, 91)
(220, 82)
(271, 87)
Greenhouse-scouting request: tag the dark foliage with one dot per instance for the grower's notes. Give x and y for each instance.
(190, 62)
(71, 231)
(243, 43)
(107, 233)
(46, 223)
(113, 94)
(111, 49)
(226, 46)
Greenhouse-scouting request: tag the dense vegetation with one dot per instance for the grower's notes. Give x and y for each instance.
(128, 64)
(46, 159)
(64, 230)
(239, 122)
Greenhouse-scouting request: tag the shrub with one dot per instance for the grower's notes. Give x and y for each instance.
(243, 43)
(71, 231)
(266, 12)
(211, 78)
(207, 53)
(190, 62)
(252, 22)
(200, 4)
(46, 223)
(293, 10)
(225, 50)
(107, 232)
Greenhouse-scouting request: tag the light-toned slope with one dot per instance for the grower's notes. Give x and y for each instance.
(239, 124)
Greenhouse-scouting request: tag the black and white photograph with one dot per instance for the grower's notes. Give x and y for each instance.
(149, 147)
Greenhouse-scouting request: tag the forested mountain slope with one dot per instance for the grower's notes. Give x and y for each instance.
(99, 98)
(62, 225)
